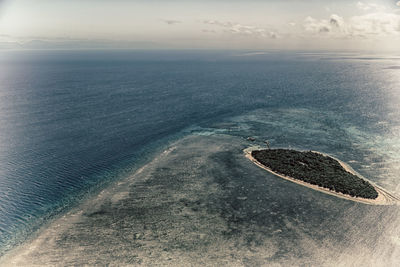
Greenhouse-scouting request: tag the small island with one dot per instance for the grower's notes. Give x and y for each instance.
(316, 169)
(320, 172)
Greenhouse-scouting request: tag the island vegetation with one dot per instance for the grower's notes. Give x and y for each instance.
(316, 169)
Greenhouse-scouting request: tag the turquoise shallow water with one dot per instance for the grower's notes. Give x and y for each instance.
(72, 121)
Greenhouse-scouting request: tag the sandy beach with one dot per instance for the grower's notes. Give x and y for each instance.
(384, 197)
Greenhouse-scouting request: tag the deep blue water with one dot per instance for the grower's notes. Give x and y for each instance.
(70, 121)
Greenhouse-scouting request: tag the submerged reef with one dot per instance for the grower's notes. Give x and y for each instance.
(316, 169)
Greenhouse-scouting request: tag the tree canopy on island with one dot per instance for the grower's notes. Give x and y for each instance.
(316, 169)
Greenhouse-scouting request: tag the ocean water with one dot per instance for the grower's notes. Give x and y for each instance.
(73, 122)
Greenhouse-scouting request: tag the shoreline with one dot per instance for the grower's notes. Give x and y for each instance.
(384, 197)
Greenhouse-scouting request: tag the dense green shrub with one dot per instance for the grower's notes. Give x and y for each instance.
(317, 169)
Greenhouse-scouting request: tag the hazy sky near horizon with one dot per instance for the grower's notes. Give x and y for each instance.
(234, 24)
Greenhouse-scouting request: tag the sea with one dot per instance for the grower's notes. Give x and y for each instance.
(73, 123)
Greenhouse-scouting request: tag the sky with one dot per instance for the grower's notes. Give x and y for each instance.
(206, 24)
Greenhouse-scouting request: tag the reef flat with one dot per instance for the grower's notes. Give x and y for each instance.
(201, 203)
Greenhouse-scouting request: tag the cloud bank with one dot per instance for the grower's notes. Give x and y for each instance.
(216, 24)
(240, 29)
(377, 23)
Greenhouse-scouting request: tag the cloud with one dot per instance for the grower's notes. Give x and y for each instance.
(368, 25)
(324, 29)
(312, 25)
(376, 24)
(240, 29)
(171, 21)
(336, 21)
